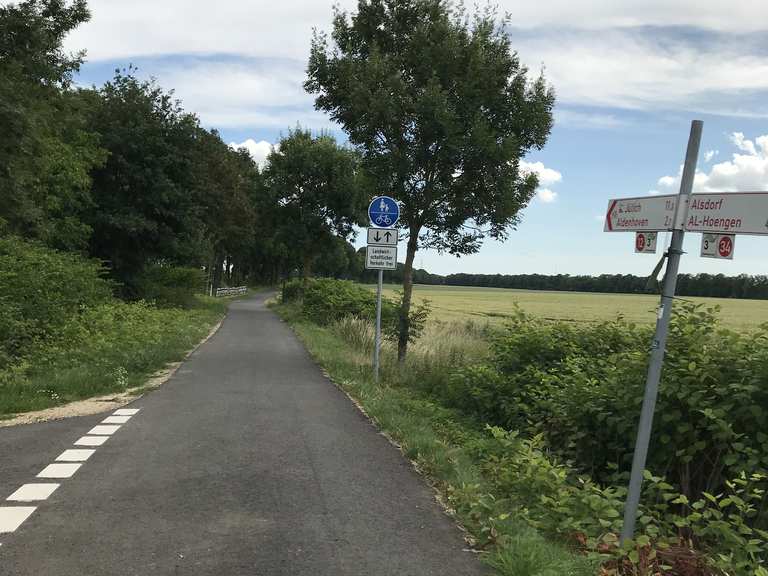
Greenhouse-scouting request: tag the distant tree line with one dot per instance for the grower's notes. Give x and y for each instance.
(712, 285)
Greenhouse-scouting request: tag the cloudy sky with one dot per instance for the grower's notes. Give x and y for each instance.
(630, 75)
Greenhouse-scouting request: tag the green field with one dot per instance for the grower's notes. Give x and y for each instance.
(452, 303)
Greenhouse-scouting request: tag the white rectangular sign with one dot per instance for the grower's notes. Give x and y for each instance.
(718, 245)
(643, 214)
(728, 213)
(381, 258)
(645, 242)
(382, 236)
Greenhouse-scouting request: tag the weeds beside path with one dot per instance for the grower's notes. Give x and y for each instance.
(108, 348)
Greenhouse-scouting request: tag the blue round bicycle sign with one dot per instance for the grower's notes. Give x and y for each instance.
(383, 212)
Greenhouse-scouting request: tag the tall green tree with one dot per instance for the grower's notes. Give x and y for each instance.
(442, 111)
(46, 152)
(145, 207)
(318, 191)
(225, 180)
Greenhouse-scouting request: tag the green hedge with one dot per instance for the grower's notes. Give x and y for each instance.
(109, 347)
(40, 291)
(577, 391)
(325, 300)
(582, 387)
(169, 286)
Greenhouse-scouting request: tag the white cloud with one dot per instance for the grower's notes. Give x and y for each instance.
(633, 69)
(547, 176)
(744, 145)
(120, 29)
(241, 83)
(242, 93)
(258, 150)
(256, 27)
(710, 154)
(546, 195)
(613, 58)
(746, 172)
(593, 121)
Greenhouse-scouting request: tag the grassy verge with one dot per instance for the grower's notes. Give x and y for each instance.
(106, 348)
(442, 443)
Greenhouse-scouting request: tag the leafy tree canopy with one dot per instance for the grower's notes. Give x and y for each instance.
(442, 111)
(143, 201)
(45, 152)
(31, 38)
(318, 191)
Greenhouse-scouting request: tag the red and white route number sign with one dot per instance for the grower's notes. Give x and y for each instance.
(645, 242)
(717, 246)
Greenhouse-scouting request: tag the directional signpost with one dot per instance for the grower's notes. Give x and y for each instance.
(644, 214)
(719, 216)
(654, 213)
(381, 254)
(729, 213)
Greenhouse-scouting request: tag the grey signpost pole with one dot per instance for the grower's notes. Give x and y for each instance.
(660, 337)
(377, 345)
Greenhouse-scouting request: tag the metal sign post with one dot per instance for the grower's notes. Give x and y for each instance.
(377, 344)
(660, 337)
(381, 255)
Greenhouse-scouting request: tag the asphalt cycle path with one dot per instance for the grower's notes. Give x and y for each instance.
(247, 462)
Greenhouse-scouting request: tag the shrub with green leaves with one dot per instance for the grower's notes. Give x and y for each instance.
(41, 289)
(581, 387)
(109, 347)
(325, 301)
(576, 392)
(168, 285)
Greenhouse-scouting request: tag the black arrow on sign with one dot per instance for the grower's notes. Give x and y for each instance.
(377, 238)
(388, 235)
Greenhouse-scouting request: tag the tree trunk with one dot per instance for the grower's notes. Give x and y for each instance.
(405, 309)
(306, 271)
(218, 264)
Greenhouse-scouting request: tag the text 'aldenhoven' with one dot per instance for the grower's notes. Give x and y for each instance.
(631, 222)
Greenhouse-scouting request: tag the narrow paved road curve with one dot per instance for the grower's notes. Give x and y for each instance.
(248, 462)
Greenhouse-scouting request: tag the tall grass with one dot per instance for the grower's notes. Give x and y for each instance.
(106, 348)
(442, 347)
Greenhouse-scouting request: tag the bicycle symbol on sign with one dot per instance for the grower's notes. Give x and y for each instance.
(383, 211)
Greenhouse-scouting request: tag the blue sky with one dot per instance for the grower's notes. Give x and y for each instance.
(630, 75)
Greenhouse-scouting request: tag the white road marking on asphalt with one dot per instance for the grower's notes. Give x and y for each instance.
(33, 492)
(11, 517)
(91, 440)
(126, 411)
(104, 430)
(75, 455)
(59, 471)
(115, 419)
